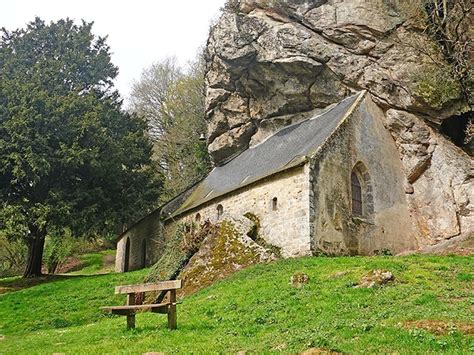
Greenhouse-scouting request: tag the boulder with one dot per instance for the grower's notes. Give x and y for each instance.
(375, 278)
(273, 63)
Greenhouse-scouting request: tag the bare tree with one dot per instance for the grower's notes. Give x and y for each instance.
(171, 98)
(150, 93)
(450, 24)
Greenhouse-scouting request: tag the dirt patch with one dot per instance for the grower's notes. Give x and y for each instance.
(108, 261)
(20, 283)
(441, 327)
(71, 264)
(299, 279)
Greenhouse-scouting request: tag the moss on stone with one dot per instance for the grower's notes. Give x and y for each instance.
(222, 254)
(203, 254)
(436, 86)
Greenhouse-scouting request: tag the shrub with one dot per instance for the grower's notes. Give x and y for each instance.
(57, 249)
(436, 86)
(12, 256)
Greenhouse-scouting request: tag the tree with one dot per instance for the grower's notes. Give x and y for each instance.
(70, 158)
(171, 99)
(449, 24)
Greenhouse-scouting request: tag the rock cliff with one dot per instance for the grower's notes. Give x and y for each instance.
(273, 62)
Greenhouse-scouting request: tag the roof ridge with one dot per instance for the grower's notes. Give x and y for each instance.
(323, 112)
(355, 104)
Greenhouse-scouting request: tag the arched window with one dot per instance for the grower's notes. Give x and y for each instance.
(220, 211)
(356, 190)
(198, 218)
(126, 257)
(274, 204)
(362, 198)
(143, 253)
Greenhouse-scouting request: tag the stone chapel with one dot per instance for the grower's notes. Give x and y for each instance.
(331, 184)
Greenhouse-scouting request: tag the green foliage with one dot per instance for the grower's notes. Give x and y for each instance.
(12, 256)
(57, 249)
(70, 158)
(192, 240)
(173, 258)
(171, 99)
(257, 311)
(449, 24)
(436, 86)
(383, 252)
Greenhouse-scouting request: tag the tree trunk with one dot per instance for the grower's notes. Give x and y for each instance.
(35, 252)
(53, 266)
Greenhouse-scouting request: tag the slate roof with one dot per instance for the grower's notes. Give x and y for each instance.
(289, 147)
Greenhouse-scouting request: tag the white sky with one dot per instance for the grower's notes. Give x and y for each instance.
(140, 31)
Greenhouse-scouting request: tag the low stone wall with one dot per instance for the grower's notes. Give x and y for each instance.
(283, 223)
(145, 244)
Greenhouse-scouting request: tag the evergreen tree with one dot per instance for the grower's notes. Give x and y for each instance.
(70, 157)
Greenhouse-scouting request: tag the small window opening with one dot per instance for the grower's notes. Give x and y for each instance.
(274, 204)
(198, 217)
(187, 228)
(220, 211)
(356, 195)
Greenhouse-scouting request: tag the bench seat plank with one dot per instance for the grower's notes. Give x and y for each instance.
(127, 310)
(130, 309)
(160, 286)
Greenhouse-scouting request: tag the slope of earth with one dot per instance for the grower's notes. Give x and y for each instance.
(428, 307)
(86, 264)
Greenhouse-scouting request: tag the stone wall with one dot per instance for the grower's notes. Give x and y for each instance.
(362, 143)
(147, 229)
(286, 227)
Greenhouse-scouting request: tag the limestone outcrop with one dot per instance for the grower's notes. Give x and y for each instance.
(271, 63)
(226, 249)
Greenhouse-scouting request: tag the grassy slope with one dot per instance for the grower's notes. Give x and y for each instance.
(256, 310)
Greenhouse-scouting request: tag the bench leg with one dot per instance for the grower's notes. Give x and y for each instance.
(131, 321)
(172, 321)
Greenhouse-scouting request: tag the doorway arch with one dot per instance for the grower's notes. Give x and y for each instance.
(143, 255)
(126, 261)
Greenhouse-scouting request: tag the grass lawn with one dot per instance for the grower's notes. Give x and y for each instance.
(429, 308)
(96, 263)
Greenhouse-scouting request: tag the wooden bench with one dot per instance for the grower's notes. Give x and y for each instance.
(130, 309)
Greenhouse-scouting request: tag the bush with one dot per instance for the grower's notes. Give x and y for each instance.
(12, 256)
(436, 86)
(56, 250)
(59, 248)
